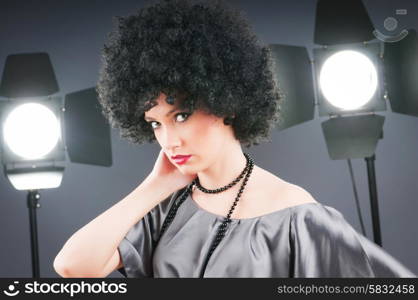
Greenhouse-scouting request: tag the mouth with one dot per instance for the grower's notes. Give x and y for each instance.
(180, 159)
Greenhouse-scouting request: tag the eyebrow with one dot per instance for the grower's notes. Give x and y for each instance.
(167, 114)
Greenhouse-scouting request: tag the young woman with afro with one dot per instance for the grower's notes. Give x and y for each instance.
(192, 76)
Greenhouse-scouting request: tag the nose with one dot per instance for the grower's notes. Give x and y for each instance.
(170, 139)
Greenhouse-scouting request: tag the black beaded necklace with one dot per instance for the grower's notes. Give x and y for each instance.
(222, 228)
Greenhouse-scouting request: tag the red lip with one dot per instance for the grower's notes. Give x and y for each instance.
(181, 159)
(180, 156)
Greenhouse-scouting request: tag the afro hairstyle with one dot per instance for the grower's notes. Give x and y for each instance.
(202, 52)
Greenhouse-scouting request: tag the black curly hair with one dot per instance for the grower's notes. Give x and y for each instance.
(204, 52)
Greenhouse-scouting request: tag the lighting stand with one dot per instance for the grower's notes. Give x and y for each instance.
(373, 199)
(33, 204)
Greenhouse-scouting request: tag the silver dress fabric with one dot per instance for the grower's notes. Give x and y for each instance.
(307, 240)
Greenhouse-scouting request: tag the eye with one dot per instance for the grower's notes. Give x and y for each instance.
(184, 114)
(151, 123)
(180, 117)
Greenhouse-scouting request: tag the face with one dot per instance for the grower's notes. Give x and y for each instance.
(179, 132)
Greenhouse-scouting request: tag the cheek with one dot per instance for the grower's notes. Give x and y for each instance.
(207, 135)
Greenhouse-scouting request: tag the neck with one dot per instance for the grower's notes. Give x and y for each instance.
(225, 169)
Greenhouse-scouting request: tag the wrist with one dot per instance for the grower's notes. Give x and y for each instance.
(155, 188)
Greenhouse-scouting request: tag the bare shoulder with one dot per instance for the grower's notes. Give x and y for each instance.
(297, 194)
(285, 193)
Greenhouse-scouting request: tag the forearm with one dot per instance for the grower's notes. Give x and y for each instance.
(89, 249)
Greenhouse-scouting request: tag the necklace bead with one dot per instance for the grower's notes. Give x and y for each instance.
(224, 188)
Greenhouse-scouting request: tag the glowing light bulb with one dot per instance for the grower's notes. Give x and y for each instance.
(348, 79)
(31, 130)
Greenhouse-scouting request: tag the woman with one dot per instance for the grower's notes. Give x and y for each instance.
(193, 77)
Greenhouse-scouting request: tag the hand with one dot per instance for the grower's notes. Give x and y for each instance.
(168, 174)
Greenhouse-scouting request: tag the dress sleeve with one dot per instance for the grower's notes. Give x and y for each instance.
(324, 244)
(137, 247)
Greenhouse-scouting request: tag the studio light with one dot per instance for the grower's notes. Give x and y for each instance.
(33, 152)
(31, 130)
(348, 79)
(353, 76)
(37, 128)
(351, 89)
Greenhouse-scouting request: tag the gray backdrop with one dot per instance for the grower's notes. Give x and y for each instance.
(73, 32)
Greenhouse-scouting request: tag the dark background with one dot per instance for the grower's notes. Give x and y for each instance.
(73, 33)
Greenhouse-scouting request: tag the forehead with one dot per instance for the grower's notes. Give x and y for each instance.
(162, 107)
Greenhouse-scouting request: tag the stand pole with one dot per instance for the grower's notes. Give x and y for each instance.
(373, 199)
(32, 202)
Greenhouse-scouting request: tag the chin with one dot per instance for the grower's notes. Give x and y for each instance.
(185, 170)
(189, 170)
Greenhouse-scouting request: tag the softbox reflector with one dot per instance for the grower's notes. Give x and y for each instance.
(28, 75)
(401, 73)
(87, 133)
(293, 74)
(352, 136)
(342, 22)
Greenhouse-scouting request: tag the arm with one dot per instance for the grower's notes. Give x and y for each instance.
(92, 250)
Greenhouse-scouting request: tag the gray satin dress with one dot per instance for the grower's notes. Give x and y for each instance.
(307, 240)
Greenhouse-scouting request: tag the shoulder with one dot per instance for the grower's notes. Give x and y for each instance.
(297, 195)
(284, 193)
(269, 193)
